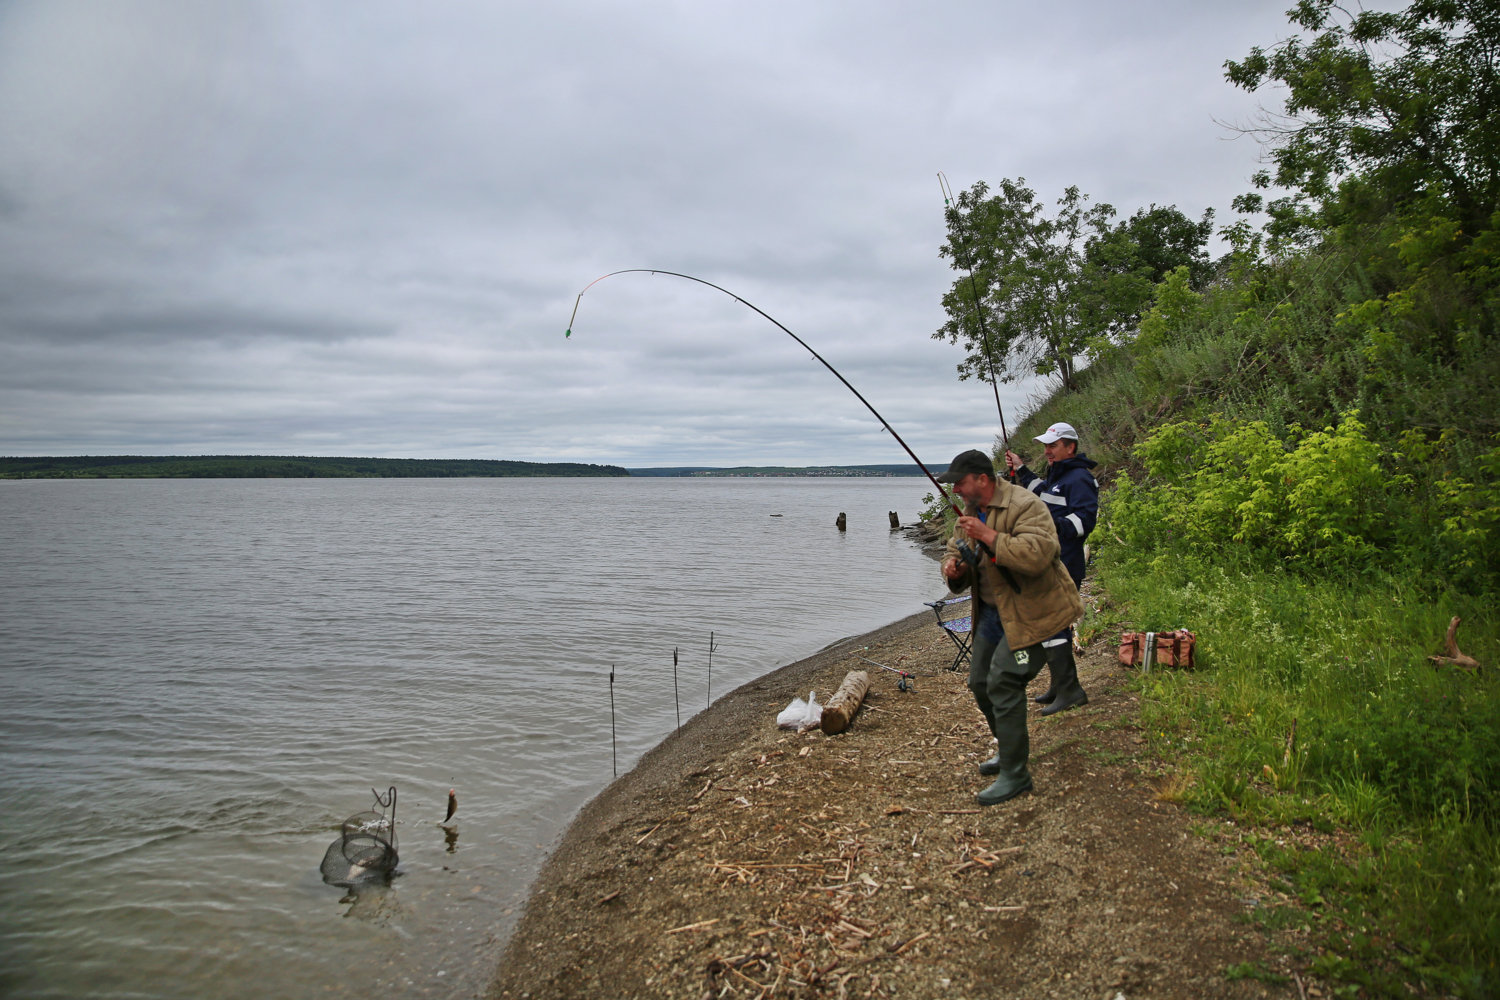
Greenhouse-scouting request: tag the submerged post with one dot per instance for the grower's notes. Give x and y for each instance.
(614, 761)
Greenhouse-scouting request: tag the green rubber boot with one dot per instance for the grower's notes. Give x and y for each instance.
(1012, 781)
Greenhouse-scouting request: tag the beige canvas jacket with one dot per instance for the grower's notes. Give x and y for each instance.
(1028, 547)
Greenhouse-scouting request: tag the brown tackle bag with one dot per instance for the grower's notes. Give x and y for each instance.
(1173, 649)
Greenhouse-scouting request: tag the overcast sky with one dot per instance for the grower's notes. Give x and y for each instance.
(358, 228)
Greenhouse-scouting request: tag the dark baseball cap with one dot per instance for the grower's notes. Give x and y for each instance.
(964, 463)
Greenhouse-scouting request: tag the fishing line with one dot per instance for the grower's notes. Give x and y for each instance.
(948, 202)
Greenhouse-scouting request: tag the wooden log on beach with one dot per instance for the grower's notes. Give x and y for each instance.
(839, 711)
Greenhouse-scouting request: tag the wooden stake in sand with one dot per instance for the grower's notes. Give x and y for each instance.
(711, 648)
(840, 709)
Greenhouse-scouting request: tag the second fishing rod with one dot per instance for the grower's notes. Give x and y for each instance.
(949, 202)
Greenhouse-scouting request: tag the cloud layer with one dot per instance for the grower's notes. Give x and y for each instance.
(358, 228)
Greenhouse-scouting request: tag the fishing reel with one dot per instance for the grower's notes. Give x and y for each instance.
(904, 681)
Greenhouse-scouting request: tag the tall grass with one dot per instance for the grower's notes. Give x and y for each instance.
(1275, 343)
(1400, 753)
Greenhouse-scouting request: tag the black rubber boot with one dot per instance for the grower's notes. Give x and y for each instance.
(1070, 693)
(1048, 696)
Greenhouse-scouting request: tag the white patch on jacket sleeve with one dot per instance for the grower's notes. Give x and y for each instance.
(1054, 499)
(1077, 523)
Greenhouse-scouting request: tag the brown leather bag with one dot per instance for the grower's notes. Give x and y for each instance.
(1173, 649)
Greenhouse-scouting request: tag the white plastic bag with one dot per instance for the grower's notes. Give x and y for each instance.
(800, 715)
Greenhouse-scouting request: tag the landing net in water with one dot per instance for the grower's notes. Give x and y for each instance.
(366, 847)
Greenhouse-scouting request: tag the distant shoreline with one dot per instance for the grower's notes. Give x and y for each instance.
(289, 467)
(310, 467)
(782, 472)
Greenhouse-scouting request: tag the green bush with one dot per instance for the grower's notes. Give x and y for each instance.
(1329, 499)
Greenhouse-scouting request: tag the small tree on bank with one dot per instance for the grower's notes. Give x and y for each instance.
(1054, 288)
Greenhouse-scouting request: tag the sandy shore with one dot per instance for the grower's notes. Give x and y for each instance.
(736, 859)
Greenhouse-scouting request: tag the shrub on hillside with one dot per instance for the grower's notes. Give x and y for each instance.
(1326, 499)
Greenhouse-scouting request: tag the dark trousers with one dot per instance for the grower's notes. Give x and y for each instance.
(998, 678)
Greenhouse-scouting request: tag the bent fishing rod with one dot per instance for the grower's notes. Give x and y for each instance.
(884, 423)
(984, 334)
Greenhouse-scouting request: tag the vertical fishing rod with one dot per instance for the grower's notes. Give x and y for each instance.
(614, 761)
(984, 335)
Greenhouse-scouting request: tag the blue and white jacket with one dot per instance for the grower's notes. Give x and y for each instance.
(1072, 497)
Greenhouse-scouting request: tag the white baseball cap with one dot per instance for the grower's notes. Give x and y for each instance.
(1056, 432)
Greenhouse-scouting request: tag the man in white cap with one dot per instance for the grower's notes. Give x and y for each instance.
(1072, 497)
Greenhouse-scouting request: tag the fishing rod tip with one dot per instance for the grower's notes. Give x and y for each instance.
(567, 333)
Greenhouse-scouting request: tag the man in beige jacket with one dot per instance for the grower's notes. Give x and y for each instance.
(1005, 547)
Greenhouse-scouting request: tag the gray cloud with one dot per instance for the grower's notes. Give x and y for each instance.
(358, 228)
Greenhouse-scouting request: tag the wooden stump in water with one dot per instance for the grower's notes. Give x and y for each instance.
(895, 521)
(839, 710)
(842, 523)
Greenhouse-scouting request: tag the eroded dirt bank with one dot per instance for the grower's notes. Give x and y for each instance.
(737, 860)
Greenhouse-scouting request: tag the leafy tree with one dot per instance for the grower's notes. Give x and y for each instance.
(1124, 264)
(1384, 109)
(1026, 270)
(1056, 287)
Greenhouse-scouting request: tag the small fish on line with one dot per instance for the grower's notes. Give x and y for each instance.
(452, 805)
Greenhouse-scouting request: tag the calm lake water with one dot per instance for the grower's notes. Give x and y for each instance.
(200, 679)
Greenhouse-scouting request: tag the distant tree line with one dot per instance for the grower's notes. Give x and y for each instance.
(281, 467)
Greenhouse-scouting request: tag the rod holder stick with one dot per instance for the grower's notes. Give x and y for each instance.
(710, 670)
(676, 698)
(614, 760)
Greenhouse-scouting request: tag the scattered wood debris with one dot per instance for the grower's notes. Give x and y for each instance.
(858, 864)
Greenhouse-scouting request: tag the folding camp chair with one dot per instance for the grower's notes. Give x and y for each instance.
(960, 630)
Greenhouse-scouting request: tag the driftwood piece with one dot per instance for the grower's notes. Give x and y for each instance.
(839, 710)
(1456, 657)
